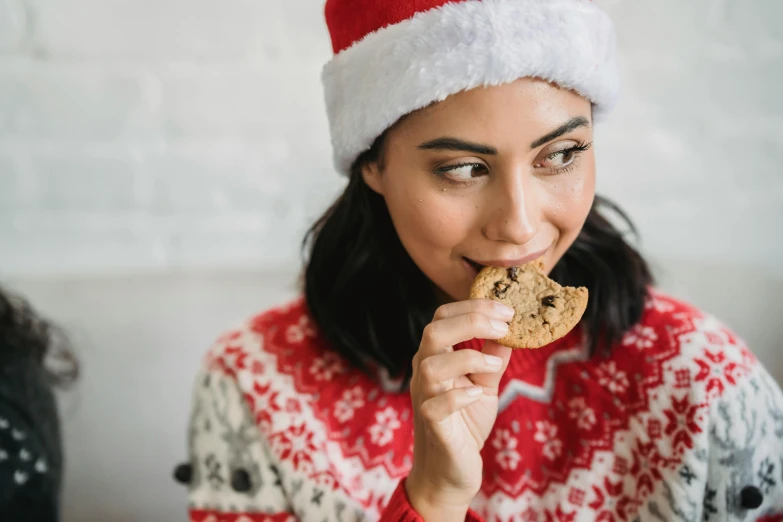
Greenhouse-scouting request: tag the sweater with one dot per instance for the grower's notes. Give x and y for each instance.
(30, 448)
(678, 422)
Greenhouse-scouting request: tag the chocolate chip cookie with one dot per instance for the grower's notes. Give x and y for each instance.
(545, 311)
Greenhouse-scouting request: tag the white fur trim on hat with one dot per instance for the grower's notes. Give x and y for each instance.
(459, 46)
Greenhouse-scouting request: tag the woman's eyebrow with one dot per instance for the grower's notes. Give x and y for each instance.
(573, 123)
(447, 143)
(456, 144)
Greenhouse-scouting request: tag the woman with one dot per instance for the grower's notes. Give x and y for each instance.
(466, 131)
(31, 459)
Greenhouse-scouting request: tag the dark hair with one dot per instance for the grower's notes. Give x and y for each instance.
(24, 333)
(371, 302)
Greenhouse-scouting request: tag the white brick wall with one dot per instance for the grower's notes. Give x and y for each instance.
(159, 134)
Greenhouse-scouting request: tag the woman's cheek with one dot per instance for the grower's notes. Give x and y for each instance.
(570, 199)
(441, 221)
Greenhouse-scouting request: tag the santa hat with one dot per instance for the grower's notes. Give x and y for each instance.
(393, 57)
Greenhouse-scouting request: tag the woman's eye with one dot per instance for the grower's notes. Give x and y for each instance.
(561, 158)
(463, 172)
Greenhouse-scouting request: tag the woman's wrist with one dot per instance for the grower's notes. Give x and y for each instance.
(433, 505)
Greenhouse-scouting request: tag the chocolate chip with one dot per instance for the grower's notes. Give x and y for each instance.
(751, 497)
(240, 480)
(500, 288)
(513, 272)
(548, 301)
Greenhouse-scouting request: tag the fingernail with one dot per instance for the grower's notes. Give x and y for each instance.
(504, 310)
(493, 360)
(474, 390)
(499, 326)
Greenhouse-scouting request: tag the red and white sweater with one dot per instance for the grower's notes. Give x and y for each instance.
(680, 423)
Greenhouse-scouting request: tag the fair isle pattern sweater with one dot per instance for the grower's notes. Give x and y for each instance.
(679, 423)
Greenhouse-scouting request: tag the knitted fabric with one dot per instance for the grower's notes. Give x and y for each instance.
(680, 422)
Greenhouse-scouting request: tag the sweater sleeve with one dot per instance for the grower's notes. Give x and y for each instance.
(745, 453)
(234, 476)
(400, 509)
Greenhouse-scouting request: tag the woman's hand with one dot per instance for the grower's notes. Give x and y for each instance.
(455, 404)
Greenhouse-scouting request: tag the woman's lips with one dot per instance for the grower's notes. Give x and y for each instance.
(475, 265)
(472, 265)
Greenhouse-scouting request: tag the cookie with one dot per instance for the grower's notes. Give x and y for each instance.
(545, 311)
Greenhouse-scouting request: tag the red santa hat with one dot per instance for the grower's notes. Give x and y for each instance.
(393, 57)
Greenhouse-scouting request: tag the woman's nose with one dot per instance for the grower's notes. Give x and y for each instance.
(512, 216)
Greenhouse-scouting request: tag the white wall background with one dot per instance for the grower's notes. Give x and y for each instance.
(157, 134)
(160, 160)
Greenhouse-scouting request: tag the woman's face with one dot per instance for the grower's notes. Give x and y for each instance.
(492, 176)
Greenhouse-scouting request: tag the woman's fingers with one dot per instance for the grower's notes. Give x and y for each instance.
(460, 328)
(436, 372)
(438, 409)
(487, 307)
(461, 321)
(491, 381)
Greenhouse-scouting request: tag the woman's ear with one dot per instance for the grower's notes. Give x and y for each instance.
(371, 173)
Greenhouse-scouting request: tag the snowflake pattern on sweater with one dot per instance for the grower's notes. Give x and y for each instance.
(680, 422)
